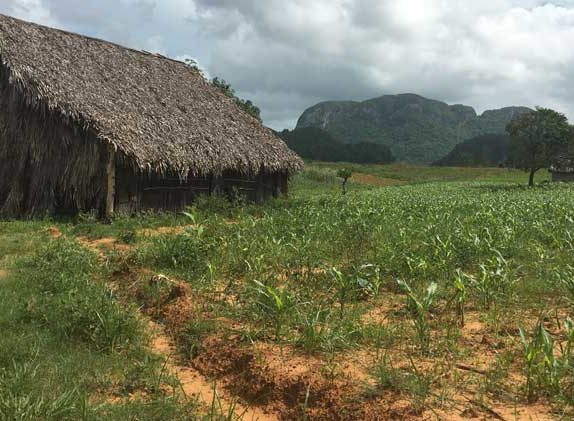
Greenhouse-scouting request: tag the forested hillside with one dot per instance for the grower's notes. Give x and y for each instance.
(316, 144)
(482, 151)
(416, 129)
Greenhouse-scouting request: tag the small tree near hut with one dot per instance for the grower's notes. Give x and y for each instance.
(245, 104)
(225, 87)
(536, 138)
(345, 174)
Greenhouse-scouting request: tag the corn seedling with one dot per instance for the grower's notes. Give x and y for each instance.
(369, 279)
(566, 278)
(459, 296)
(419, 307)
(274, 304)
(380, 336)
(345, 286)
(314, 331)
(568, 351)
(542, 368)
(493, 281)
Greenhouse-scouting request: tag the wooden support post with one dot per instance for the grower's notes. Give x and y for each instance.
(260, 190)
(285, 184)
(276, 185)
(217, 185)
(111, 183)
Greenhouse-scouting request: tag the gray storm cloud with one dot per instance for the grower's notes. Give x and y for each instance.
(287, 55)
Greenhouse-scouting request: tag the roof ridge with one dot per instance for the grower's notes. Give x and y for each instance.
(92, 38)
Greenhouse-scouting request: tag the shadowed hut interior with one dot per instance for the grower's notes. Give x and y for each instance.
(562, 169)
(87, 124)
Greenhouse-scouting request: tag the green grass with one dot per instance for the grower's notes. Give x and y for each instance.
(67, 346)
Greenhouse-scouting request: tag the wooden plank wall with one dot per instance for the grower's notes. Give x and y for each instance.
(139, 192)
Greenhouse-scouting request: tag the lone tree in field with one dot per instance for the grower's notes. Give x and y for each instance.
(345, 174)
(536, 138)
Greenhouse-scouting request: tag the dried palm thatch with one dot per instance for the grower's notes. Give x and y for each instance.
(45, 163)
(563, 165)
(158, 114)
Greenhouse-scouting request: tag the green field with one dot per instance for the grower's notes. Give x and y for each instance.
(423, 293)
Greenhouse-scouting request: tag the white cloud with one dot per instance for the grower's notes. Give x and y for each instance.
(487, 54)
(288, 54)
(31, 10)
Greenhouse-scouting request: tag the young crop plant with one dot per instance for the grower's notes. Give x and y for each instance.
(380, 336)
(419, 307)
(315, 330)
(358, 283)
(493, 282)
(345, 286)
(544, 370)
(387, 376)
(369, 279)
(321, 330)
(460, 296)
(275, 305)
(566, 279)
(568, 351)
(75, 303)
(190, 339)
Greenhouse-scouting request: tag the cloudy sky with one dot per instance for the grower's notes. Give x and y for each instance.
(287, 55)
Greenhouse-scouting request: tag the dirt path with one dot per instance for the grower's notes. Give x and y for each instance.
(373, 180)
(153, 232)
(101, 245)
(192, 382)
(195, 385)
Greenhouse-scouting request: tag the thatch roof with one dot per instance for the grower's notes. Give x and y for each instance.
(562, 164)
(160, 113)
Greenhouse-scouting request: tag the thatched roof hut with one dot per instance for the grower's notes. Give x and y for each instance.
(562, 169)
(77, 111)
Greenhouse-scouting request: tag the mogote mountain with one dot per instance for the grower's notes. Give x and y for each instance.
(416, 129)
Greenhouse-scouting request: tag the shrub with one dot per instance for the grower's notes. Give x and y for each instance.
(186, 253)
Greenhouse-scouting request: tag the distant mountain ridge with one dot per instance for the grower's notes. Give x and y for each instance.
(415, 128)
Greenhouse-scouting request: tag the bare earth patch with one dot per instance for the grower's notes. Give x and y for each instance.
(277, 379)
(54, 232)
(3, 273)
(174, 311)
(104, 244)
(153, 232)
(373, 180)
(174, 230)
(194, 384)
